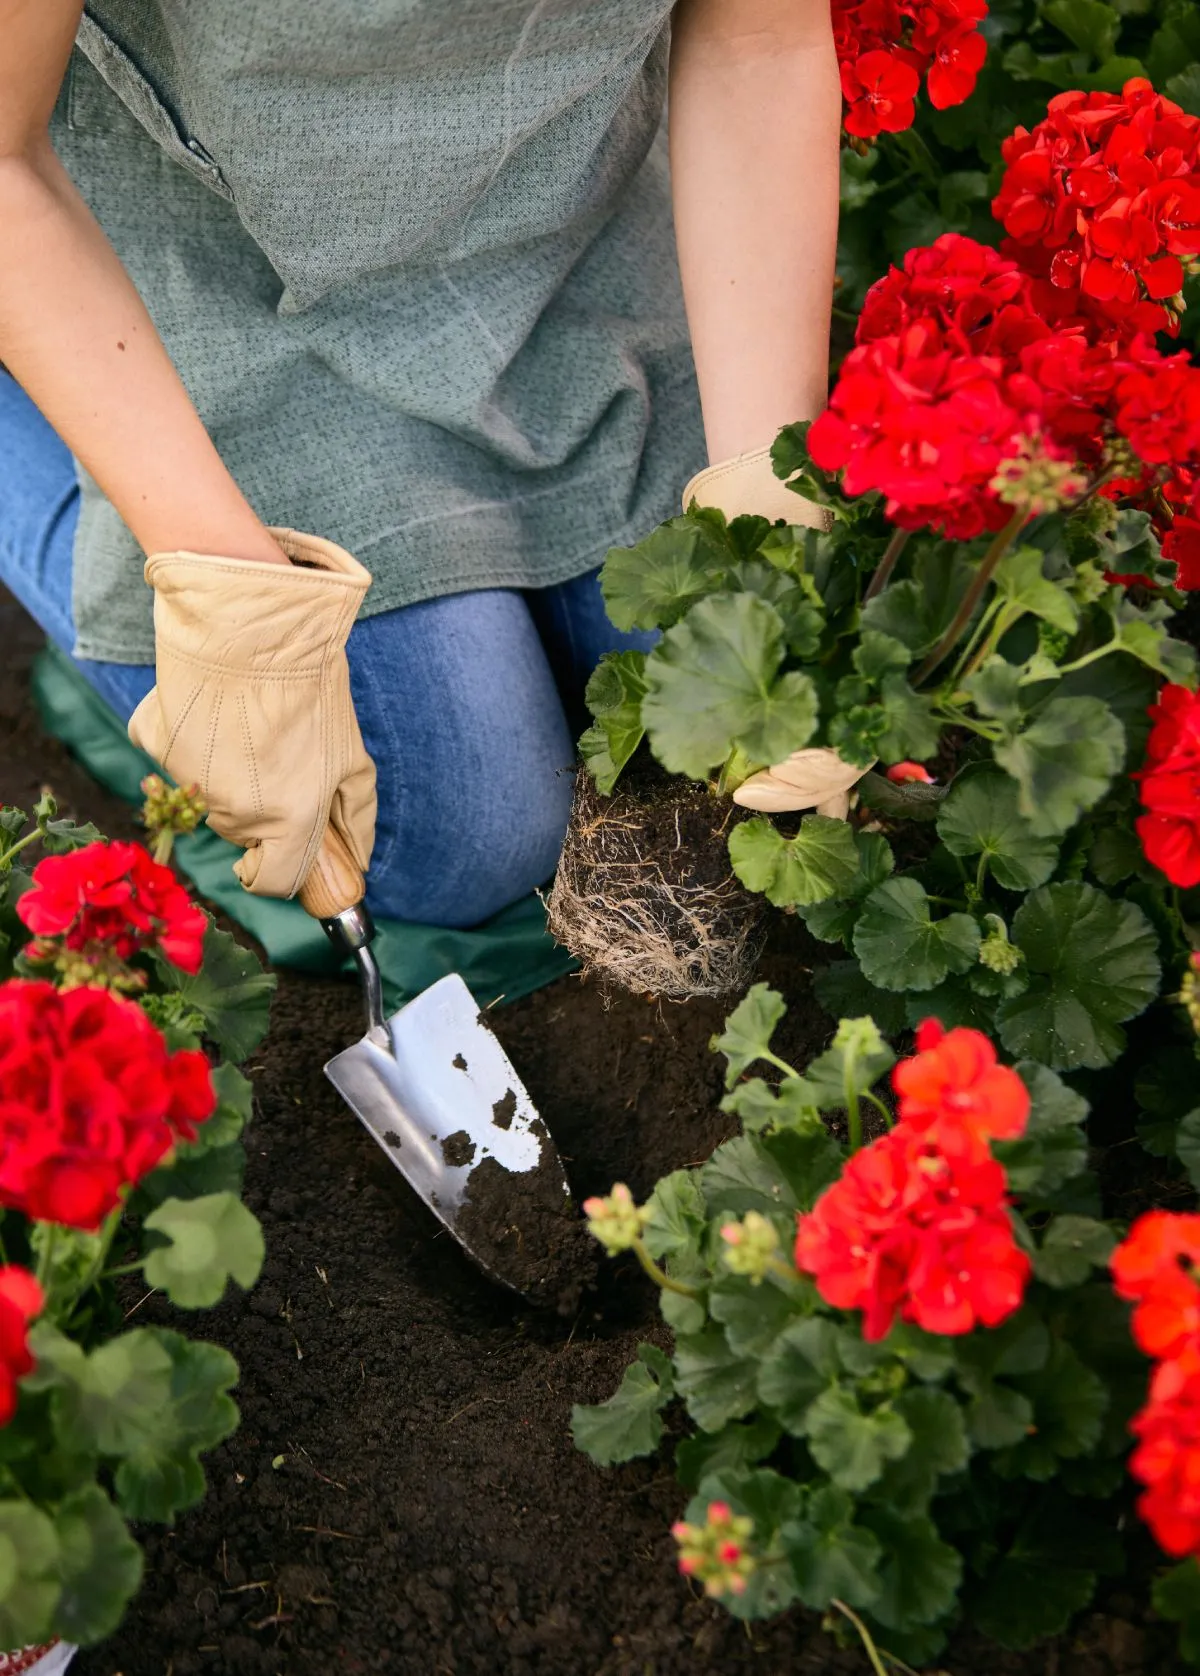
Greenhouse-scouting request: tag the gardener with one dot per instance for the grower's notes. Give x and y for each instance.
(401, 274)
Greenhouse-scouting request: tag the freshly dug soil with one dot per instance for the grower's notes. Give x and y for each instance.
(403, 1495)
(645, 896)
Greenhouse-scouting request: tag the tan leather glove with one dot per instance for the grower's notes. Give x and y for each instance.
(813, 778)
(253, 702)
(748, 485)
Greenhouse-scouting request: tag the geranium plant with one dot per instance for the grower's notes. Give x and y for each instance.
(907, 1377)
(123, 1012)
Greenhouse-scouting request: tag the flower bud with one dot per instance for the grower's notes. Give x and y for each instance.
(1189, 992)
(750, 1246)
(995, 951)
(171, 808)
(715, 1553)
(616, 1221)
(908, 773)
(1034, 480)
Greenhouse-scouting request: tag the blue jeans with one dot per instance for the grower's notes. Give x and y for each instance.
(469, 704)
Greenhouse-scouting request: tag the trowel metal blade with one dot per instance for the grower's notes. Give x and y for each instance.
(434, 1074)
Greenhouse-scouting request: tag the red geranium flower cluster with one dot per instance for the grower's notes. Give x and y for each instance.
(90, 1100)
(20, 1301)
(1101, 201)
(884, 47)
(1170, 788)
(960, 402)
(1156, 1268)
(114, 897)
(918, 1224)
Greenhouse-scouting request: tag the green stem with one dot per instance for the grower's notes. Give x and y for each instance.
(1003, 623)
(966, 610)
(164, 843)
(981, 876)
(122, 1268)
(21, 844)
(660, 1277)
(952, 716)
(853, 1112)
(887, 564)
(780, 1064)
(880, 1108)
(46, 1260)
(981, 630)
(1093, 656)
(869, 1647)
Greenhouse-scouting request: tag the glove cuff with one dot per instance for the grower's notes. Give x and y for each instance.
(748, 484)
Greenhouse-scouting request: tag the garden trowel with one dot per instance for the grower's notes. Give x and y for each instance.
(435, 1088)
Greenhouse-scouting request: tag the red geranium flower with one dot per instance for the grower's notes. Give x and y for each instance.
(879, 89)
(1103, 199)
(1167, 1458)
(957, 61)
(114, 896)
(909, 773)
(953, 1090)
(1170, 788)
(90, 1100)
(910, 1231)
(20, 1301)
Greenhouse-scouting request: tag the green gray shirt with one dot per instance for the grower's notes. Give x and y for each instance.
(415, 263)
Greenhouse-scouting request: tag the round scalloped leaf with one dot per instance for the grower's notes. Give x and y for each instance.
(980, 817)
(901, 947)
(1092, 963)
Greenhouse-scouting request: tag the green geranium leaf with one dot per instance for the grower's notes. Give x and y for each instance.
(677, 1216)
(716, 1384)
(211, 1241)
(806, 1160)
(980, 817)
(235, 1102)
(746, 1037)
(752, 1316)
(1063, 762)
(655, 583)
(614, 697)
(741, 1175)
(911, 801)
(939, 1448)
(100, 1567)
(1053, 1148)
(1069, 1403)
(630, 1422)
(919, 1574)
(852, 1446)
(917, 612)
(221, 1170)
(161, 1474)
(713, 684)
(731, 1450)
(231, 992)
(843, 991)
(1185, 90)
(1087, 24)
(762, 1107)
(1047, 1574)
(832, 1557)
(795, 599)
(1187, 1145)
(1022, 585)
(834, 922)
(854, 1063)
(801, 1364)
(901, 947)
(29, 1581)
(1071, 1248)
(106, 1401)
(910, 728)
(821, 861)
(1177, 1593)
(998, 1416)
(995, 690)
(1092, 964)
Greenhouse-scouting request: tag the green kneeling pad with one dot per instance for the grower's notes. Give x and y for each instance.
(502, 959)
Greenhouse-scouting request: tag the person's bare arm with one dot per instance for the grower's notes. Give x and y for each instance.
(76, 335)
(755, 116)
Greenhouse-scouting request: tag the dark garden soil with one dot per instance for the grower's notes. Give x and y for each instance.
(403, 1495)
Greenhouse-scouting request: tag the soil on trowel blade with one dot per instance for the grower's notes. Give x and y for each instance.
(403, 1497)
(526, 1231)
(458, 1149)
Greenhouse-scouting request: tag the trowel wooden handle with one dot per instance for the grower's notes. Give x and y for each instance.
(336, 881)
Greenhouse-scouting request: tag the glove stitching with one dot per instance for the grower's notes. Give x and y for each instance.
(182, 717)
(307, 672)
(213, 725)
(251, 760)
